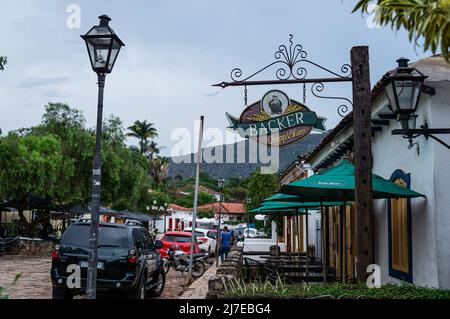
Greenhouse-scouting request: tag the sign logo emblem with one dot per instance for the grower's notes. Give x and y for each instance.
(276, 120)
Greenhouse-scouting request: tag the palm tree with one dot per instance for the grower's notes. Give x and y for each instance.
(153, 149)
(427, 19)
(159, 168)
(144, 131)
(3, 61)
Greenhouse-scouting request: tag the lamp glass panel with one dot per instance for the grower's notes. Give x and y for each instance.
(391, 96)
(408, 92)
(114, 53)
(98, 52)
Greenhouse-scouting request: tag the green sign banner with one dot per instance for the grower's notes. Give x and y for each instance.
(277, 124)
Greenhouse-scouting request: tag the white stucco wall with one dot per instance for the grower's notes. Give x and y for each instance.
(430, 175)
(440, 118)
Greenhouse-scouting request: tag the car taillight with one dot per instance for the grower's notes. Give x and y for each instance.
(55, 252)
(132, 257)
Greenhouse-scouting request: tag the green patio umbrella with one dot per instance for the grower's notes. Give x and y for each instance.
(338, 184)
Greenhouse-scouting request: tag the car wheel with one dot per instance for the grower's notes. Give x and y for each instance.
(140, 292)
(159, 288)
(59, 292)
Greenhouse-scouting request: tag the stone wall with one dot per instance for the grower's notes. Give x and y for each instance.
(26, 246)
(230, 269)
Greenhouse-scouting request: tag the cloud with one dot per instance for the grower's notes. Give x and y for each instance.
(33, 82)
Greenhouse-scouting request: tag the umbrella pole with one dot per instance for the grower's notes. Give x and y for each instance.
(324, 250)
(344, 243)
(298, 236)
(307, 243)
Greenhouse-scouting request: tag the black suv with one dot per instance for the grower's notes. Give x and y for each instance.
(128, 261)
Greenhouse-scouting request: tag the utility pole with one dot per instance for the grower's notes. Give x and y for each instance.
(359, 57)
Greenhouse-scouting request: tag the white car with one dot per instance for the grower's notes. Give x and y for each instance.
(206, 239)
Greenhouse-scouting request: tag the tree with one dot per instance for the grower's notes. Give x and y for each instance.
(261, 186)
(29, 165)
(159, 168)
(427, 19)
(143, 131)
(188, 200)
(153, 149)
(3, 62)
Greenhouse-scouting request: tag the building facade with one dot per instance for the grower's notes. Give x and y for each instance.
(411, 236)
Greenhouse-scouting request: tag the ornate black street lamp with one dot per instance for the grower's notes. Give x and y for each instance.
(403, 89)
(103, 46)
(221, 185)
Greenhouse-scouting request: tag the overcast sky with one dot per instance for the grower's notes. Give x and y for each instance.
(175, 50)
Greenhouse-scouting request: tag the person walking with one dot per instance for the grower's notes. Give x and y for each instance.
(225, 241)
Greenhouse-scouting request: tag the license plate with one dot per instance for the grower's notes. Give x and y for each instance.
(85, 264)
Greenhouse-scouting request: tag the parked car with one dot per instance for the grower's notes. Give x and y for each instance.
(248, 233)
(179, 238)
(206, 239)
(128, 261)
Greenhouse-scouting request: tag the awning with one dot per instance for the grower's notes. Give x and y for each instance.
(140, 217)
(338, 184)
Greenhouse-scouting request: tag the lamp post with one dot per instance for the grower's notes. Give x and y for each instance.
(220, 184)
(103, 47)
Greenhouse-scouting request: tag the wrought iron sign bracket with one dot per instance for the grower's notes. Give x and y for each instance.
(290, 63)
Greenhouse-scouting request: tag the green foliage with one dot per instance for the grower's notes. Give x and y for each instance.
(423, 19)
(54, 161)
(237, 193)
(188, 200)
(261, 186)
(29, 165)
(144, 132)
(209, 214)
(337, 291)
(3, 294)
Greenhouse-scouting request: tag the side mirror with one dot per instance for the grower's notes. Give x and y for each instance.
(241, 238)
(158, 244)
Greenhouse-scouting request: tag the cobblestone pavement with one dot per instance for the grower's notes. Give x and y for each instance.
(35, 282)
(199, 288)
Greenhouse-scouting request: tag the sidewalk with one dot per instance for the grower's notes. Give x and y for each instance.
(199, 288)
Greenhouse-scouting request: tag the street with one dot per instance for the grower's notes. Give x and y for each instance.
(35, 282)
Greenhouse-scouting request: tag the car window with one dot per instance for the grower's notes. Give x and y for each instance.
(138, 238)
(78, 235)
(148, 240)
(177, 238)
(212, 234)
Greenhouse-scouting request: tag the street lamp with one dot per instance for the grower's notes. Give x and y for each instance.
(103, 47)
(403, 88)
(221, 185)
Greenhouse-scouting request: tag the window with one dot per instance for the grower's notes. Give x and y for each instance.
(399, 222)
(78, 235)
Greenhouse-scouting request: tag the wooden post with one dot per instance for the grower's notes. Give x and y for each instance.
(359, 57)
(324, 243)
(288, 235)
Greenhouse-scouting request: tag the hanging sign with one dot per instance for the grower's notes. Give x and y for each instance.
(276, 120)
